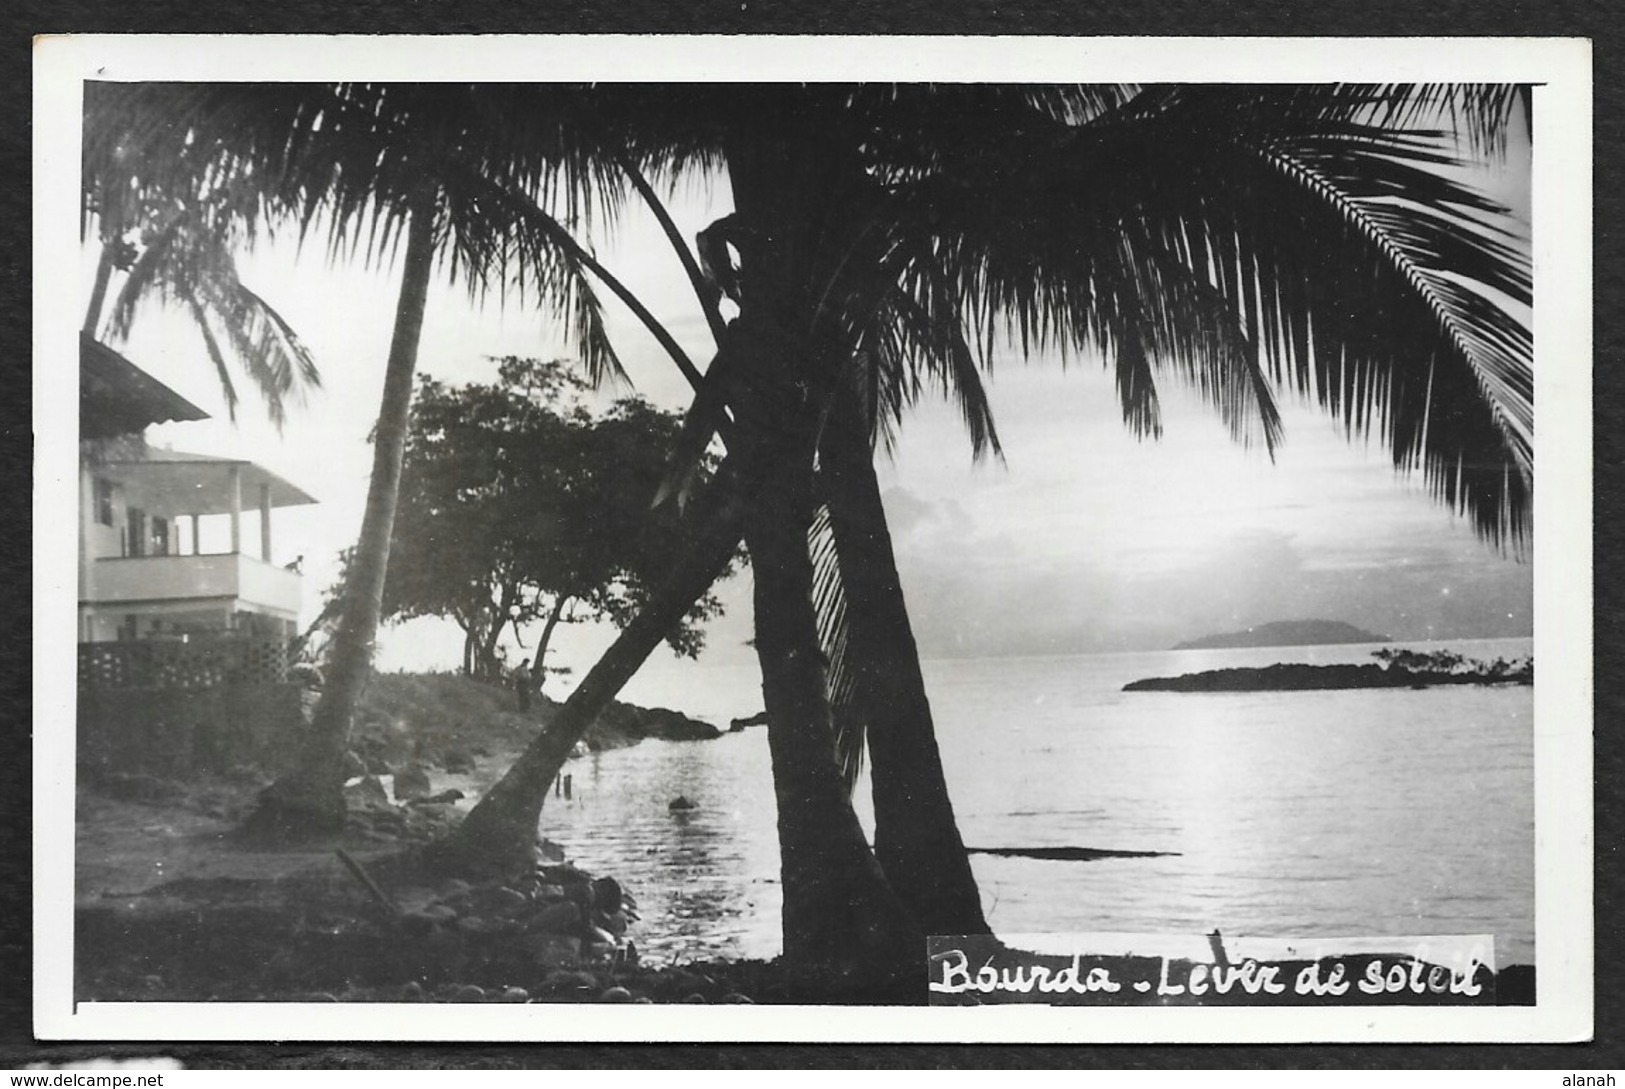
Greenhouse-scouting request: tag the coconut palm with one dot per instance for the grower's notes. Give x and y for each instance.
(1246, 238)
(179, 245)
(368, 166)
(1243, 237)
(1395, 222)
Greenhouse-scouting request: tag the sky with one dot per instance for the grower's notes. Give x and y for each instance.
(1084, 539)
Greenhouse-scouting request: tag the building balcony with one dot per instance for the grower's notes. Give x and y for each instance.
(234, 576)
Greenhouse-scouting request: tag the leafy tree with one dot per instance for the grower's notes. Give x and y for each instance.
(1244, 238)
(519, 506)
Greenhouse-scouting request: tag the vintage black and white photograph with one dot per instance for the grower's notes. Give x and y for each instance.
(553, 537)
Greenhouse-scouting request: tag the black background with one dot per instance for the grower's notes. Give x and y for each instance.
(1600, 21)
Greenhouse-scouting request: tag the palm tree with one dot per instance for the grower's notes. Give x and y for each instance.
(877, 694)
(1242, 237)
(369, 165)
(1247, 238)
(179, 245)
(1395, 222)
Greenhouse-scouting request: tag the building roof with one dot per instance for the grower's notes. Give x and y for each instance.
(118, 398)
(175, 482)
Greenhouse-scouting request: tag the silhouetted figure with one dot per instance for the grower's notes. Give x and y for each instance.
(521, 685)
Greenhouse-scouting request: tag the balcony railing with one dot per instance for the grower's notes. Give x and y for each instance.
(171, 578)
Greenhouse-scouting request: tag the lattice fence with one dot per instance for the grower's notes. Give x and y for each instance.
(186, 666)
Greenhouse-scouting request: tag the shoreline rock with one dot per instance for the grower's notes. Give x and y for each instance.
(446, 723)
(1297, 677)
(624, 724)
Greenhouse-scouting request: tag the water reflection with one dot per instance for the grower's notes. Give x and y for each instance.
(705, 879)
(1293, 814)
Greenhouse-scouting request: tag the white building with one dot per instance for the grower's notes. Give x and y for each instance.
(144, 570)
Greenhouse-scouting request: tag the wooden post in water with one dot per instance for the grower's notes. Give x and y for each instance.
(1216, 941)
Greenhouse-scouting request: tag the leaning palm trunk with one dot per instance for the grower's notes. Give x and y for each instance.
(916, 838)
(310, 797)
(499, 835)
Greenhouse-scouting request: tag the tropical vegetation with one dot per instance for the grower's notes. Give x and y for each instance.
(520, 506)
(886, 242)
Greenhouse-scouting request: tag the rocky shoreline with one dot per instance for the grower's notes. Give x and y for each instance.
(448, 722)
(1297, 677)
(557, 934)
(172, 905)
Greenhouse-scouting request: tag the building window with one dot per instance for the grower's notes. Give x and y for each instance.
(137, 537)
(160, 535)
(104, 502)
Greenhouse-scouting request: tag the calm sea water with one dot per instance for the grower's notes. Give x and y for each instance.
(1291, 814)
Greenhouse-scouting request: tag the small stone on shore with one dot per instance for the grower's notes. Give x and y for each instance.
(411, 782)
(560, 918)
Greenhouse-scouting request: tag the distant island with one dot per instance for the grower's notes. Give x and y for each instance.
(1286, 633)
(1394, 669)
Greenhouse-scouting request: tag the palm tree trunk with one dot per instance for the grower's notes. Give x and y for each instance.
(846, 935)
(917, 840)
(310, 798)
(845, 932)
(499, 835)
(98, 291)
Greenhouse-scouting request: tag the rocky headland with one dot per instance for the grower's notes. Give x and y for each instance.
(1394, 669)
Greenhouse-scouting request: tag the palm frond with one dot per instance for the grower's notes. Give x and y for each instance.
(266, 347)
(1351, 263)
(344, 161)
(228, 389)
(1479, 113)
(830, 607)
(187, 257)
(930, 336)
(894, 320)
(1137, 390)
